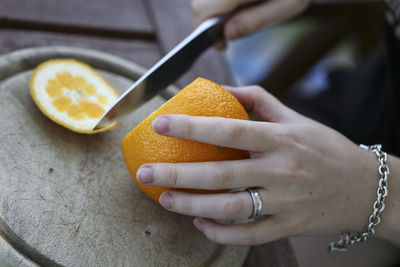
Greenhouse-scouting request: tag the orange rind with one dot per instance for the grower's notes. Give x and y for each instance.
(200, 98)
(72, 94)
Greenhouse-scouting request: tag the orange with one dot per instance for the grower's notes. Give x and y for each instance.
(201, 98)
(72, 94)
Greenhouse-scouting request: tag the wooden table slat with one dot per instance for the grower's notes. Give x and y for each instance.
(140, 52)
(116, 14)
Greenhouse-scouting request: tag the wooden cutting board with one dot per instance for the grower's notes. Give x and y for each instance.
(67, 199)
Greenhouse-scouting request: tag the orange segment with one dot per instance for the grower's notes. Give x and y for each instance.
(54, 91)
(72, 94)
(79, 82)
(55, 83)
(62, 104)
(91, 109)
(75, 111)
(102, 99)
(201, 98)
(90, 89)
(66, 79)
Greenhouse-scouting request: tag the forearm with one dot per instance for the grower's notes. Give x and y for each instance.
(389, 227)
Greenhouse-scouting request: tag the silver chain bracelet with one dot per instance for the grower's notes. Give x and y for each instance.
(350, 238)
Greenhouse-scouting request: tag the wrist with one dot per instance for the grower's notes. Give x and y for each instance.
(389, 228)
(379, 205)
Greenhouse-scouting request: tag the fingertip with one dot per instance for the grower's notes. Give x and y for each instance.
(234, 29)
(199, 223)
(166, 200)
(161, 124)
(145, 174)
(237, 92)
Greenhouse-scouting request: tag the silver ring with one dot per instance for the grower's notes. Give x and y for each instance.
(257, 203)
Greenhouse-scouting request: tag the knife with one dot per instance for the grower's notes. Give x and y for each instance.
(169, 68)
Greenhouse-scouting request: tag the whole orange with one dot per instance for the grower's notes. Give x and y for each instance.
(200, 98)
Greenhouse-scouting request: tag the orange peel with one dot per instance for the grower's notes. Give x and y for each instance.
(200, 98)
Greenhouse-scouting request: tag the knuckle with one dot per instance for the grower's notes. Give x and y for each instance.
(234, 209)
(296, 166)
(285, 136)
(223, 176)
(234, 132)
(187, 127)
(257, 90)
(212, 235)
(294, 169)
(186, 206)
(172, 176)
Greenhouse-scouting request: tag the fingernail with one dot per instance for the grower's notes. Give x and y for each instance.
(234, 30)
(145, 175)
(166, 200)
(161, 124)
(198, 222)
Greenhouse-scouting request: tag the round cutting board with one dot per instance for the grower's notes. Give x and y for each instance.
(67, 199)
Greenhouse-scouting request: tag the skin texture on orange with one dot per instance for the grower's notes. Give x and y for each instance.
(200, 98)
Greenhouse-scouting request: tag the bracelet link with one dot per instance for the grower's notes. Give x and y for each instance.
(348, 238)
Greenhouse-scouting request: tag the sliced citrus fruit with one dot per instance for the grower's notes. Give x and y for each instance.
(200, 98)
(72, 94)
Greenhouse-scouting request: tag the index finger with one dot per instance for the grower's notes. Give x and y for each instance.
(240, 134)
(203, 9)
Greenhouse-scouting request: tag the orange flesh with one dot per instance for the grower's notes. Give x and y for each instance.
(76, 109)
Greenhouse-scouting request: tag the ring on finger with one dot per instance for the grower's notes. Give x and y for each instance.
(257, 202)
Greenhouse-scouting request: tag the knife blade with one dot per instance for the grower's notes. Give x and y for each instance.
(166, 70)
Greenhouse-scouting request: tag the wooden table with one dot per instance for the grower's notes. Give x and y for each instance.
(138, 30)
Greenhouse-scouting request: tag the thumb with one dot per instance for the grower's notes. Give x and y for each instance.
(263, 104)
(254, 18)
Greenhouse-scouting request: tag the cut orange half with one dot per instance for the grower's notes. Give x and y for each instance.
(200, 98)
(72, 94)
